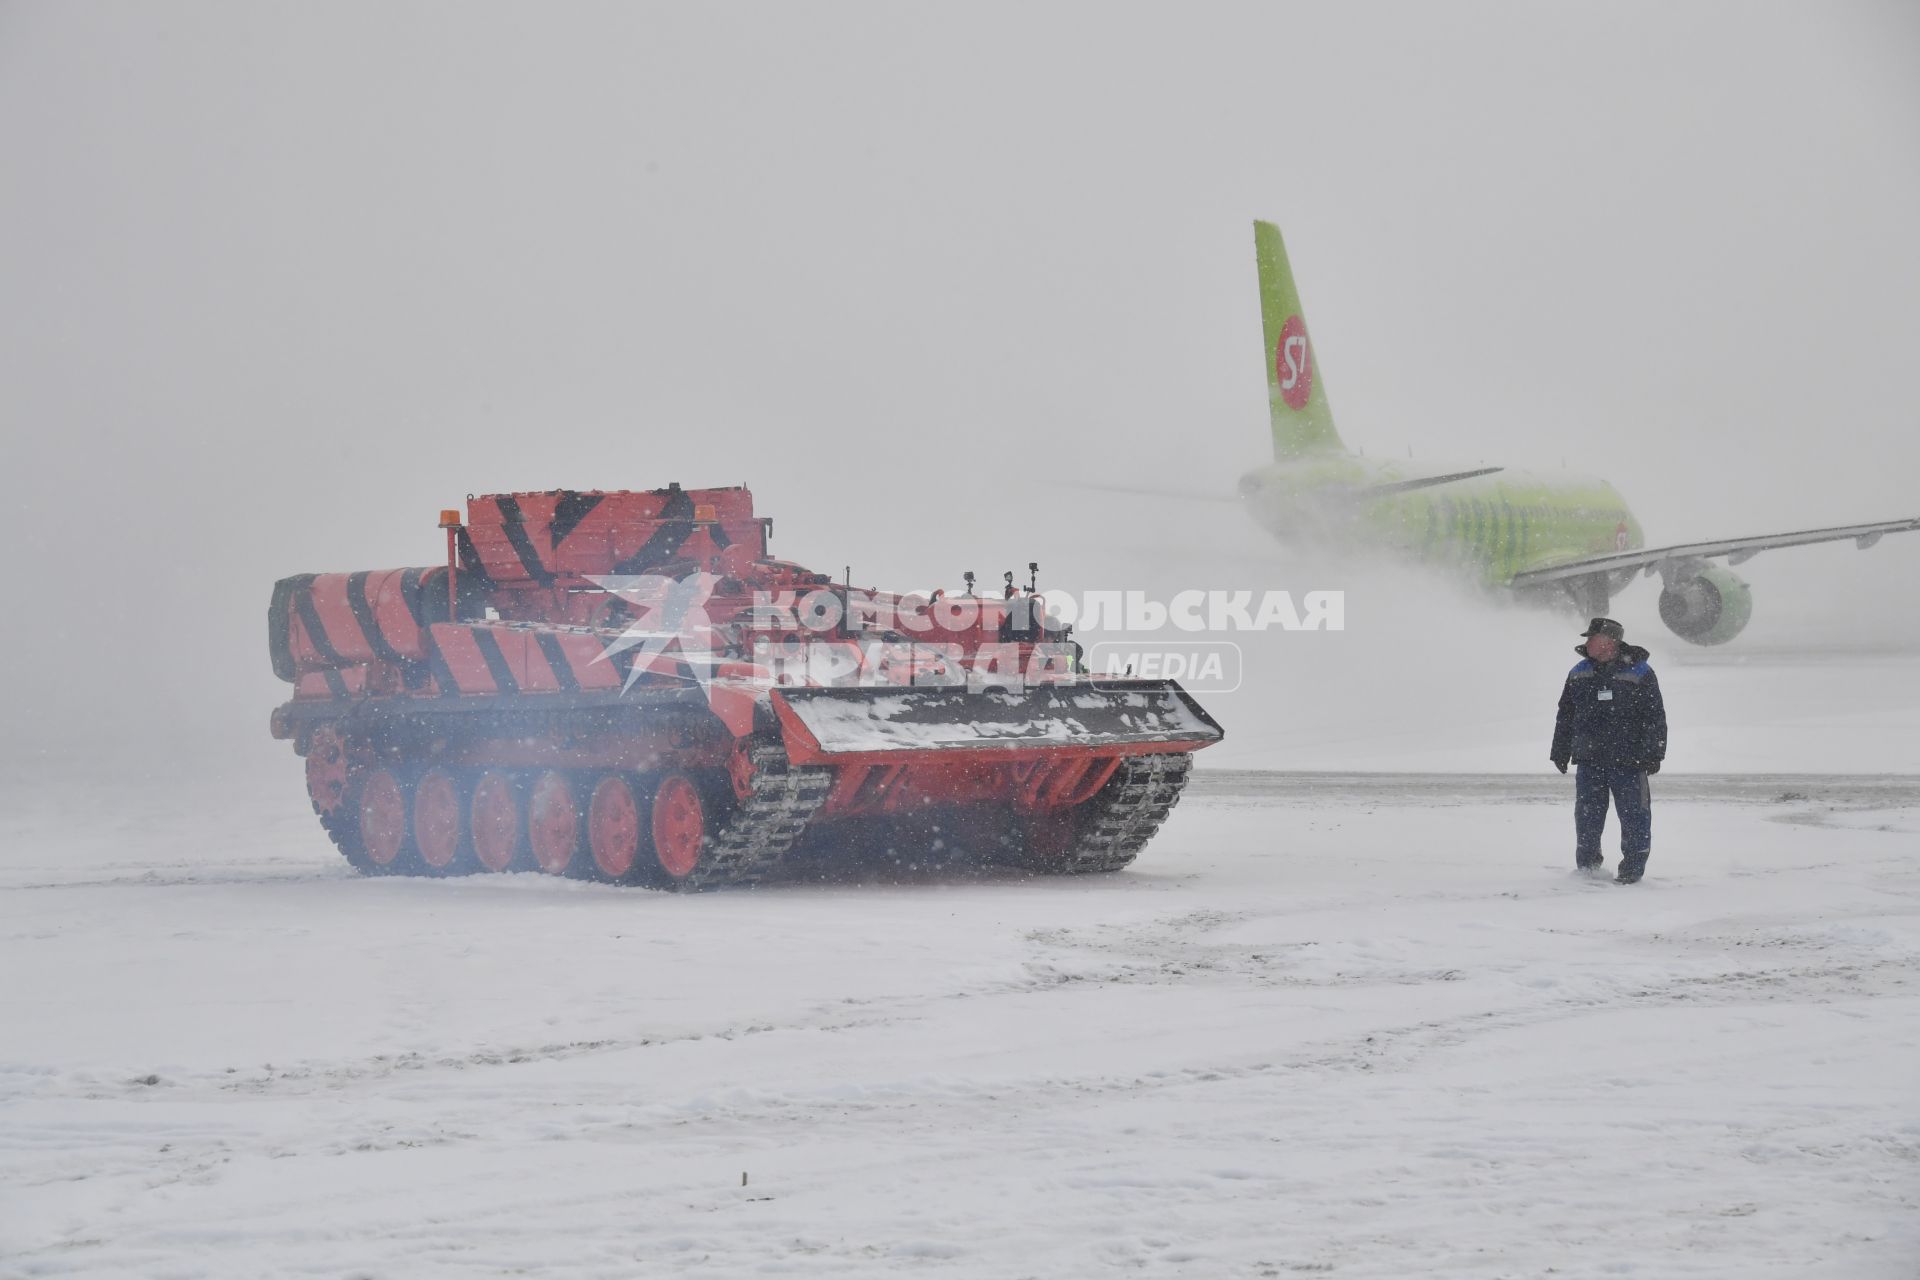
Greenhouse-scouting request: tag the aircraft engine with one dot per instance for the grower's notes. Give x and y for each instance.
(1710, 607)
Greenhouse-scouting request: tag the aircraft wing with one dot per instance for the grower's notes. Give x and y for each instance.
(1421, 482)
(1355, 493)
(1735, 549)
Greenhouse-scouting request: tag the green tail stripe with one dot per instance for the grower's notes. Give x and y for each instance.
(1296, 392)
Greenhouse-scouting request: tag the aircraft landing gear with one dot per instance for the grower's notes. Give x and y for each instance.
(1590, 595)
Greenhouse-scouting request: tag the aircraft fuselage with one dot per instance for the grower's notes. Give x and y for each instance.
(1490, 526)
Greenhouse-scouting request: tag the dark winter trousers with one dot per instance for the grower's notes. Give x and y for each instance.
(1592, 784)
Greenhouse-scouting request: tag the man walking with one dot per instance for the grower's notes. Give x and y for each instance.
(1613, 725)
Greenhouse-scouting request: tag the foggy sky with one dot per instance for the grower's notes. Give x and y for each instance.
(280, 282)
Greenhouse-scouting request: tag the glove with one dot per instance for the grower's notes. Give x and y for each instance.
(1651, 767)
(1560, 763)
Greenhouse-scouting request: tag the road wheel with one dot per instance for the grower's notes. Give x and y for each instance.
(493, 819)
(554, 823)
(378, 806)
(440, 823)
(677, 821)
(613, 827)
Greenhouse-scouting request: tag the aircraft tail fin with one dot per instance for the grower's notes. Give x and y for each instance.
(1296, 393)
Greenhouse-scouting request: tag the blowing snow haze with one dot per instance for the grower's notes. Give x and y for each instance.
(282, 283)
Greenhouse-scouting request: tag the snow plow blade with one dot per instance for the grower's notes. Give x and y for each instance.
(1116, 717)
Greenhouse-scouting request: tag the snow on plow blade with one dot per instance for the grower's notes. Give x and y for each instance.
(1124, 717)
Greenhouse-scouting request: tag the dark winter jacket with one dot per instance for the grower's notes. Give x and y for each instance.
(1611, 712)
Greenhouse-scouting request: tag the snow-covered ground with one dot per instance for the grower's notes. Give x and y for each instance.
(1340, 1025)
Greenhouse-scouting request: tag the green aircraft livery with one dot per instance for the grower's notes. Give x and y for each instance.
(1558, 538)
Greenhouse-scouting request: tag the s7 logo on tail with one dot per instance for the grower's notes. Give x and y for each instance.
(1293, 363)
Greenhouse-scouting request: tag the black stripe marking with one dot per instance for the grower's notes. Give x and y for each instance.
(718, 532)
(470, 561)
(557, 659)
(620, 659)
(316, 634)
(336, 685)
(489, 646)
(410, 593)
(573, 508)
(513, 521)
(414, 671)
(363, 614)
(675, 528)
(437, 663)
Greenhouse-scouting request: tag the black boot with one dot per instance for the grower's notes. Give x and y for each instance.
(1588, 861)
(1632, 867)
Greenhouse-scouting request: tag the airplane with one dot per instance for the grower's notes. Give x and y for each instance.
(1557, 539)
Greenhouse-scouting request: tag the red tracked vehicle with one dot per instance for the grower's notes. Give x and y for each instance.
(626, 685)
